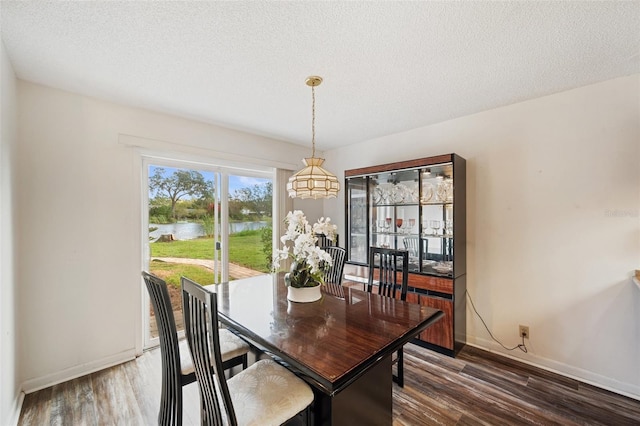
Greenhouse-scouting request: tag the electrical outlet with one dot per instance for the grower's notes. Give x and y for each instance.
(523, 331)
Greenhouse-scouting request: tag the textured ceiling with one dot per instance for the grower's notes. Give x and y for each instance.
(387, 66)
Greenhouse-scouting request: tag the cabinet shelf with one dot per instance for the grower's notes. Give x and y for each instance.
(397, 205)
(437, 203)
(397, 234)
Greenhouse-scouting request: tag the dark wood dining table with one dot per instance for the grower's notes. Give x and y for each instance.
(341, 345)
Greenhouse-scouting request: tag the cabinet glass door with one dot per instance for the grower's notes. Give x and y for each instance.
(395, 212)
(357, 220)
(436, 219)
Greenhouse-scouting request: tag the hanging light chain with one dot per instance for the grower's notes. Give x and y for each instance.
(313, 121)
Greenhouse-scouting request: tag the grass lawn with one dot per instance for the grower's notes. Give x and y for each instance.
(171, 273)
(201, 248)
(245, 249)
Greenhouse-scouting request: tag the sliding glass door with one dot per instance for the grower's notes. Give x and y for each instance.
(205, 222)
(250, 225)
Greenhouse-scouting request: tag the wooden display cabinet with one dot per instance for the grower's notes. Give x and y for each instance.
(418, 206)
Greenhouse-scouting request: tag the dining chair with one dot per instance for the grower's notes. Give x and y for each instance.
(177, 365)
(412, 245)
(389, 271)
(324, 241)
(266, 393)
(334, 274)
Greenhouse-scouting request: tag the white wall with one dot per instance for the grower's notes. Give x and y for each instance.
(553, 224)
(553, 221)
(9, 384)
(79, 227)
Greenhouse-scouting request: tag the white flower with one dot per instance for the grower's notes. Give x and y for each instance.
(299, 243)
(324, 226)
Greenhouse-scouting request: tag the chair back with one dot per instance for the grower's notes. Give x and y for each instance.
(200, 310)
(324, 241)
(412, 244)
(334, 274)
(172, 379)
(390, 268)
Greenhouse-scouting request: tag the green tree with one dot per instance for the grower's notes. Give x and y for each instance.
(179, 184)
(266, 236)
(253, 202)
(264, 199)
(160, 210)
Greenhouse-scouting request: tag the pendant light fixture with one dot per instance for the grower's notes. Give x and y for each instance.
(313, 181)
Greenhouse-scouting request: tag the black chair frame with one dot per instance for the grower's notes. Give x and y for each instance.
(200, 309)
(324, 241)
(172, 378)
(383, 262)
(334, 274)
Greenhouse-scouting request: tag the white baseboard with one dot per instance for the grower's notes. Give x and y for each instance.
(14, 414)
(627, 389)
(74, 372)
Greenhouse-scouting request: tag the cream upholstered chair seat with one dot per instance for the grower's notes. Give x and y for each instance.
(267, 394)
(177, 366)
(264, 394)
(231, 346)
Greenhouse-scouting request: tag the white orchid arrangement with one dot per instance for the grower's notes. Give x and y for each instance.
(309, 260)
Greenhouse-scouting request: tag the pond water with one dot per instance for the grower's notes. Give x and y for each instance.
(190, 230)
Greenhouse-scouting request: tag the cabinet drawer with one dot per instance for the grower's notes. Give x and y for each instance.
(440, 333)
(425, 282)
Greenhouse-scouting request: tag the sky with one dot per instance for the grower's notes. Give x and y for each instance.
(235, 182)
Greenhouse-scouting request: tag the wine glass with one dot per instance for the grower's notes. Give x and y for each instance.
(387, 222)
(399, 222)
(412, 223)
(444, 190)
(435, 225)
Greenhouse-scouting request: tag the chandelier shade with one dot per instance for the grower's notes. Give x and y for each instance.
(313, 181)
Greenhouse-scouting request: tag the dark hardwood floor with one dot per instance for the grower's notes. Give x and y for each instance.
(476, 388)
(481, 388)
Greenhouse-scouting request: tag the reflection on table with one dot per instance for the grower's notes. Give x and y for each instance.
(341, 344)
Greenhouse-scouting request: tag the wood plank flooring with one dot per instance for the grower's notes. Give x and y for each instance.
(476, 388)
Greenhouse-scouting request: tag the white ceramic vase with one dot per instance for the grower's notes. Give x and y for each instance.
(304, 294)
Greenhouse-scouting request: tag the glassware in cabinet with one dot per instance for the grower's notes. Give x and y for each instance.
(394, 208)
(436, 219)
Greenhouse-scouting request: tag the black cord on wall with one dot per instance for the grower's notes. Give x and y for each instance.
(521, 346)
